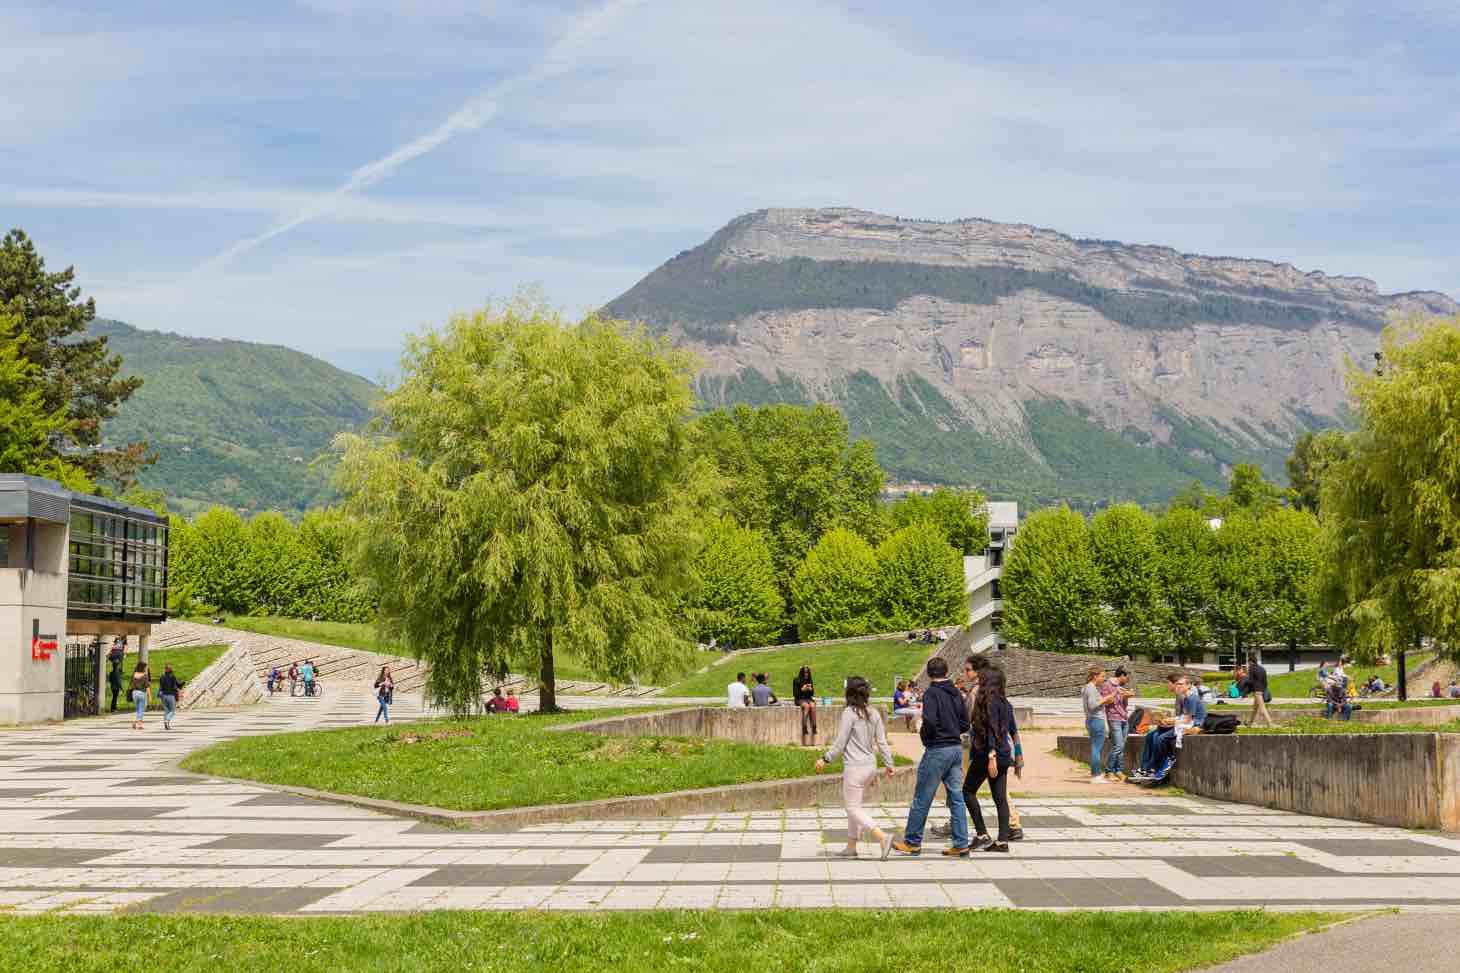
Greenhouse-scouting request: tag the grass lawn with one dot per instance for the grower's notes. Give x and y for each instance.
(1284, 684)
(359, 635)
(186, 662)
(881, 663)
(713, 942)
(1318, 724)
(489, 763)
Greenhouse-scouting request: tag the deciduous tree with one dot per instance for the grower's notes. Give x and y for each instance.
(1051, 586)
(1243, 588)
(1123, 544)
(1391, 509)
(1184, 566)
(920, 576)
(531, 486)
(1294, 560)
(737, 598)
(959, 514)
(836, 588)
(1312, 456)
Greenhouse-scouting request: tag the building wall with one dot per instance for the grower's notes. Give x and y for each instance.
(32, 690)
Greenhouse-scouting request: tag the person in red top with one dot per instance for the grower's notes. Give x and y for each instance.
(511, 700)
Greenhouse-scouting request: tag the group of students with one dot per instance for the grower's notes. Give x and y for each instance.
(738, 695)
(1109, 717)
(297, 672)
(976, 709)
(139, 687)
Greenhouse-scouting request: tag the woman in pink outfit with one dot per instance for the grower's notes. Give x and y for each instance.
(859, 739)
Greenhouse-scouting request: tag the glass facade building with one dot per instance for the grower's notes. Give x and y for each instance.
(118, 562)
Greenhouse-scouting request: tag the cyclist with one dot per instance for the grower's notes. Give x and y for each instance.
(307, 673)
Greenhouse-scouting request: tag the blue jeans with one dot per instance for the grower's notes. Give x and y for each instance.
(1115, 762)
(1095, 726)
(384, 709)
(1329, 708)
(1159, 743)
(939, 765)
(169, 707)
(140, 698)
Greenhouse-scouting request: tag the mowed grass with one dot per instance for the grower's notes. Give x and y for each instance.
(186, 662)
(495, 762)
(1283, 684)
(713, 942)
(881, 662)
(1321, 725)
(359, 635)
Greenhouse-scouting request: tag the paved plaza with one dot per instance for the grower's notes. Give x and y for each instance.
(93, 819)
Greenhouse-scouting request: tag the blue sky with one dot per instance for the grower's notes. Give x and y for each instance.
(329, 174)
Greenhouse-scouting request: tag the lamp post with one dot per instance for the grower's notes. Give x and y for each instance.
(1402, 673)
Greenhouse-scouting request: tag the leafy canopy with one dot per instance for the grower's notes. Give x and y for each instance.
(1123, 543)
(28, 429)
(1051, 585)
(737, 598)
(921, 578)
(836, 588)
(1391, 507)
(43, 314)
(960, 515)
(531, 483)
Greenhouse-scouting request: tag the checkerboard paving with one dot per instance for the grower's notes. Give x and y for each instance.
(92, 819)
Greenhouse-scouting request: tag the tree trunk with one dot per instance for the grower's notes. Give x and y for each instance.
(547, 688)
(1403, 677)
(1292, 655)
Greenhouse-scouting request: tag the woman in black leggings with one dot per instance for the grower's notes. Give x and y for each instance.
(804, 692)
(995, 743)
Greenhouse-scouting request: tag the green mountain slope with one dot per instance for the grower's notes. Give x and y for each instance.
(233, 422)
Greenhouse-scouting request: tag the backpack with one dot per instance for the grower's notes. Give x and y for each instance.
(1219, 724)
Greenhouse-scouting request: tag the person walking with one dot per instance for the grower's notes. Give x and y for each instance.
(860, 737)
(114, 680)
(169, 689)
(1252, 678)
(385, 693)
(803, 691)
(1095, 702)
(1117, 718)
(994, 748)
(945, 720)
(141, 689)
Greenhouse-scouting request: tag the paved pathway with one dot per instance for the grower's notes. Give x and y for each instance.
(92, 820)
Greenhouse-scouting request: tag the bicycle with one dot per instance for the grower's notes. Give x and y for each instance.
(299, 688)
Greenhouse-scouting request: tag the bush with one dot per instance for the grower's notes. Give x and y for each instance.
(738, 598)
(835, 589)
(920, 577)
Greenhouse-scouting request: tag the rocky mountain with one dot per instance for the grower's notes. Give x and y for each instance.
(233, 422)
(1030, 363)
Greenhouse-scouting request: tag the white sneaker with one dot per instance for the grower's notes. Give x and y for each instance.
(1099, 779)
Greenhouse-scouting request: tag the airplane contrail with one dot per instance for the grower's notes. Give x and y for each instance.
(476, 112)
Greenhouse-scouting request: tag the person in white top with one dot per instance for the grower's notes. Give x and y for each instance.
(859, 739)
(737, 694)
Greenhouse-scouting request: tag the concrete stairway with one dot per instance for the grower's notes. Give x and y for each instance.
(1031, 672)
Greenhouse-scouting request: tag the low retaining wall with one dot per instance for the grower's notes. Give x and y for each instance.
(773, 725)
(230, 680)
(1407, 780)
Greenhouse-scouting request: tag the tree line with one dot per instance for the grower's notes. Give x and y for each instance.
(1234, 571)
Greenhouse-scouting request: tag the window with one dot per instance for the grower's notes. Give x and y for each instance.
(5, 546)
(994, 589)
(117, 564)
(996, 557)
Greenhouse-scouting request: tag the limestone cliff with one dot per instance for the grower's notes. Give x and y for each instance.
(1018, 358)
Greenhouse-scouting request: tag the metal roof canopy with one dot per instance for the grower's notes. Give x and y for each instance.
(34, 498)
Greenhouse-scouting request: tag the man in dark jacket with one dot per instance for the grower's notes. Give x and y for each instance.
(1252, 680)
(945, 720)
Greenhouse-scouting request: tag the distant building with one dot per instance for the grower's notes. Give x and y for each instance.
(75, 572)
(981, 573)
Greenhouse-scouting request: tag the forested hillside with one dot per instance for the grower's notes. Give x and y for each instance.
(232, 422)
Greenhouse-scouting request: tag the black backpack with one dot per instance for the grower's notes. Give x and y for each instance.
(1219, 724)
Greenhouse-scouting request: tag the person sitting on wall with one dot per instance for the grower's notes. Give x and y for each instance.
(1158, 754)
(1436, 690)
(760, 693)
(904, 704)
(1454, 691)
(1337, 699)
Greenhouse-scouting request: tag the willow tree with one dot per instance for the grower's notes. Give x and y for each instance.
(529, 487)
(1391, 508)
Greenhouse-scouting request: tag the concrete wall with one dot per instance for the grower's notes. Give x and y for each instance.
(230, 680)
(772, 725)
(32, 690)
(1407, 780)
